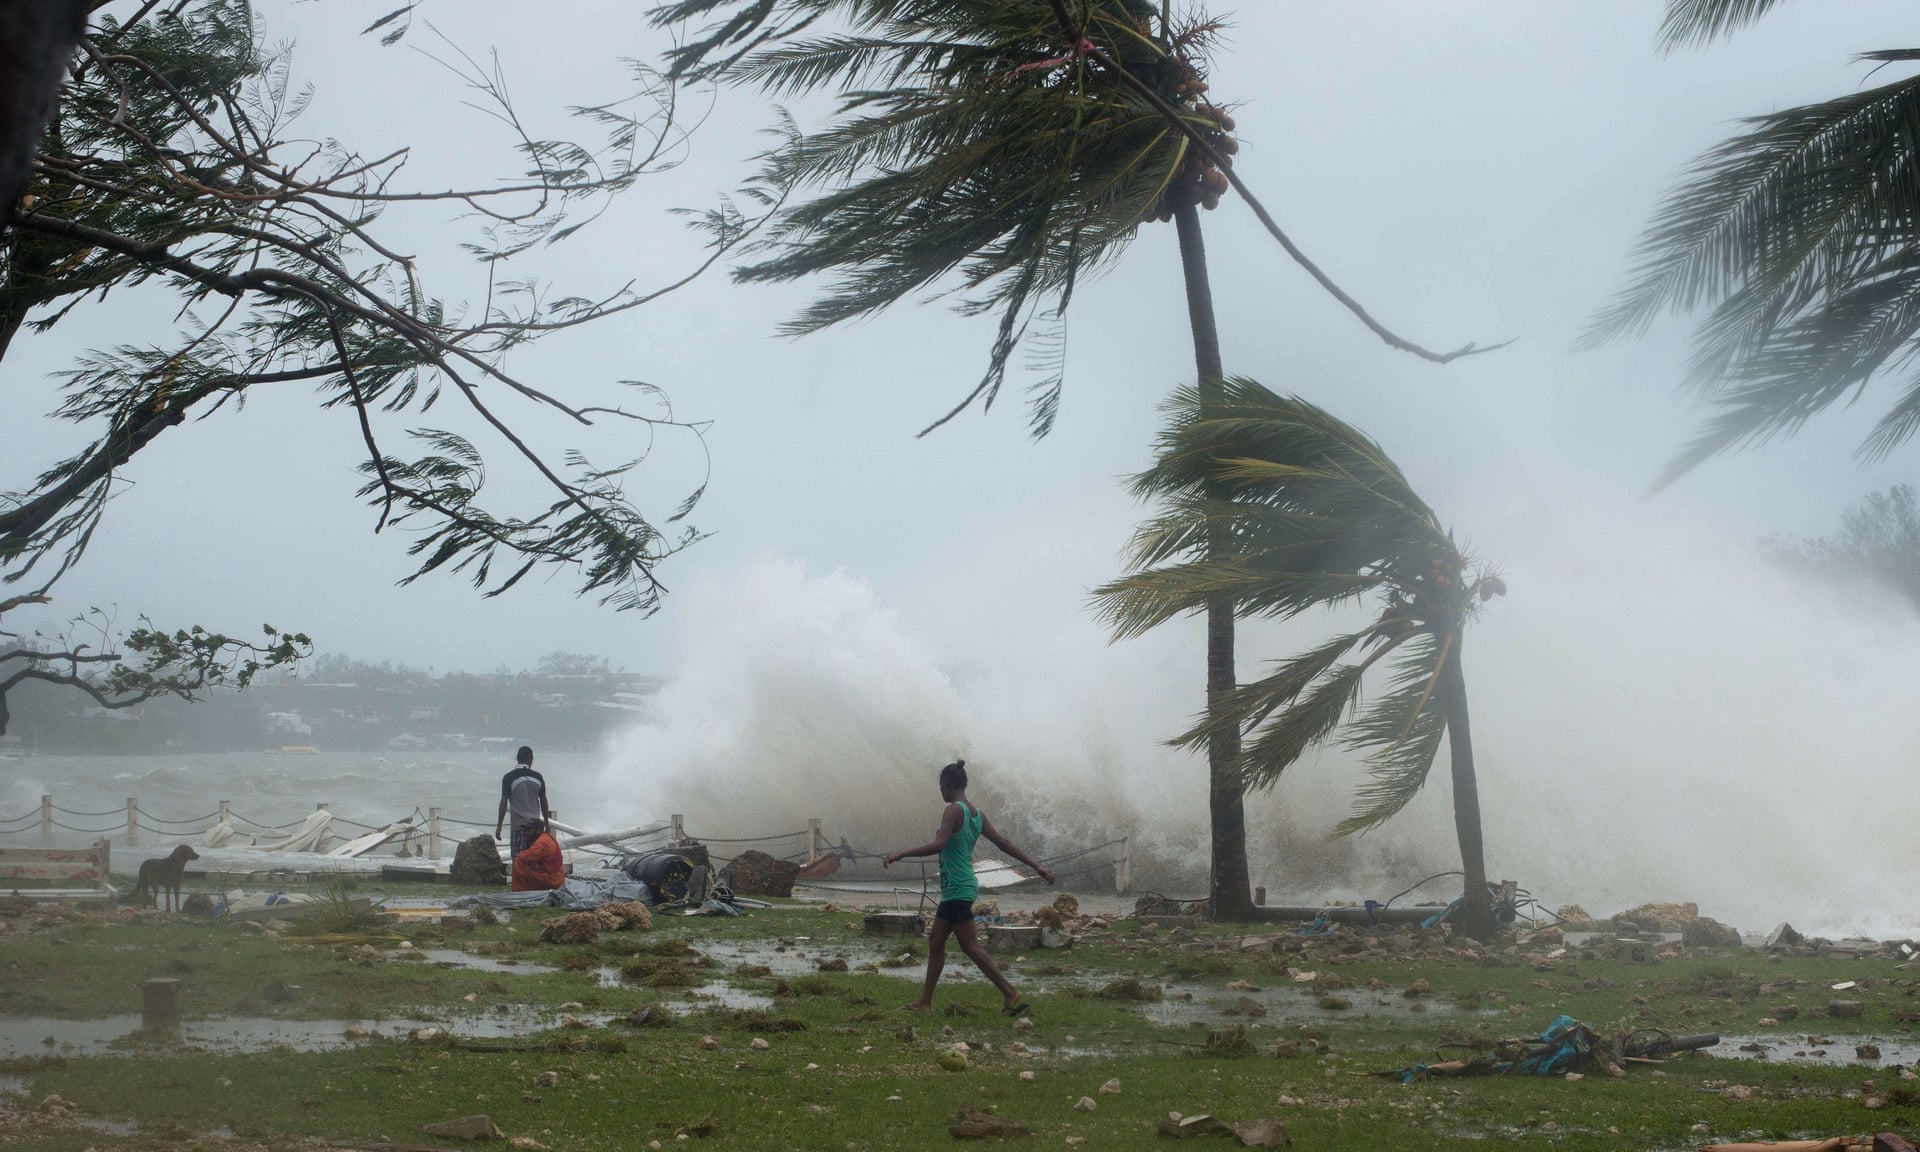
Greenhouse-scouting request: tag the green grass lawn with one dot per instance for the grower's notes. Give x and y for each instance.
(842, 1068)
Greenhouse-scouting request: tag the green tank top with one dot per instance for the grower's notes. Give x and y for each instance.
(957, 881)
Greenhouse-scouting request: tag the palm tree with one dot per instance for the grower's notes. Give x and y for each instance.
(1015, 146)
(979, 140)
(1272, 505)
(1798, 238)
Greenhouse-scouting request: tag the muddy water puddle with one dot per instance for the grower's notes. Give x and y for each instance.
(1820, 1048)
(27, 1036)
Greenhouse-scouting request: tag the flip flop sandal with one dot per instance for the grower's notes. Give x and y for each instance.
(1016, 1009)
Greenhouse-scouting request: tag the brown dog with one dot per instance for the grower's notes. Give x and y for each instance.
(163, 875)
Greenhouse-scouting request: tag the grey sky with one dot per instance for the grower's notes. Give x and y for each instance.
(1469, 170)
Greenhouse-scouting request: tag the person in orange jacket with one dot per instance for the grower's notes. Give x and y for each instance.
(539, 866)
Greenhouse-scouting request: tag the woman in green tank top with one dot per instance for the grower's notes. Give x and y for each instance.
(961, 827)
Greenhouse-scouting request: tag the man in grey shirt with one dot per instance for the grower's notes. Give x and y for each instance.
(523, 792)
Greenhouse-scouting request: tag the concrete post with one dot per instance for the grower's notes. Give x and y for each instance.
(813, 839)
(226, 813)
(433, 833)
(133, 821)
(46, 819)
(679, 833)
(1123, 867)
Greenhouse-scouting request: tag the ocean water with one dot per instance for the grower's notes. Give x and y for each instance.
(91, 792)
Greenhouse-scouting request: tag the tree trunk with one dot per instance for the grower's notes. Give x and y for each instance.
(36, 38)
(1475, 916)
(1230, 891)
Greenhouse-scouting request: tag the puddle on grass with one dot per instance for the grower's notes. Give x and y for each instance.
(1832, 1051)
(717, 995)
(454, 958)
(1185, 1004)
(27, 1036)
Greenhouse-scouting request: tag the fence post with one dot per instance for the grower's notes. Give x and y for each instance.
(46, 819)
(813, 839)
(226, 816)
(1123, 867)
(133, 821)
(679, 833)
(433, 833)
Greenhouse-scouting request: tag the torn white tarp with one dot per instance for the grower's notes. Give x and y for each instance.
(361, 845)
(310, 835)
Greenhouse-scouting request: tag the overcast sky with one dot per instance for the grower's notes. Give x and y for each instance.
(1475, 170)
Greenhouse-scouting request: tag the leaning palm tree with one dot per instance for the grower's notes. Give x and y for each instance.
(1797, 236)
(1003, 149)
(1270, 504)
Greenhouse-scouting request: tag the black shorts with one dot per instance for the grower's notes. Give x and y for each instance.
(954, 911)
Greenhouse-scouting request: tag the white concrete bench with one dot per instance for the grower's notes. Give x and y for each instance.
(69, 864)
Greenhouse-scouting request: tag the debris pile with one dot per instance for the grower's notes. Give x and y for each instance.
(586, 927)
(1566, 1048)
(1061, 918)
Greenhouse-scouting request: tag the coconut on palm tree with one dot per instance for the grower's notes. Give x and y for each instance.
(1797, 238)
(1273, 505)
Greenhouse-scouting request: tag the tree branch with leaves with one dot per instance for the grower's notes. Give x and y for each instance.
(174, 164)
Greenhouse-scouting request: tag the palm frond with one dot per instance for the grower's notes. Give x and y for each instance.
(1403, 729)
(1799, 236)
(1692, 22)
(975, 153)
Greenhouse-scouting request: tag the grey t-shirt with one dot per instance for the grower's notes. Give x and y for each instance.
(525, 792)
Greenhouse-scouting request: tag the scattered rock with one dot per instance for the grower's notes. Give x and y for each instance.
(476, 862)
(1023, 1024)
(1204, 1124)
(1085, 1104)
(1659, 917)
(1706, 932)
(466, 1127)
(547, 1079)
(709, 1043)
(759, 1044)
(1846, 1009)
(1784, 937)
(1333, 1003)
(1418, 988)
(837, 964)
(1262, 1134)
(970, 1123)
(1028, 1076)
(754, 873)
(1111, 1087)
(1866, 1052)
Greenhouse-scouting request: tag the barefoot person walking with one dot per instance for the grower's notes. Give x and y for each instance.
(961, 826)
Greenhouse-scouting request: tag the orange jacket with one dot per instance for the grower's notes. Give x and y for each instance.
(539, 866)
